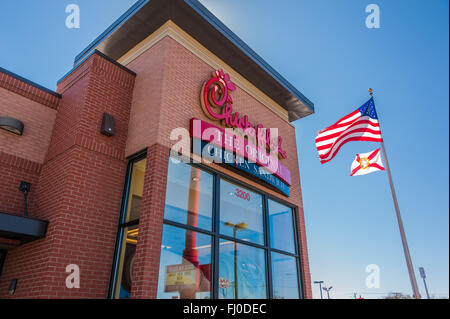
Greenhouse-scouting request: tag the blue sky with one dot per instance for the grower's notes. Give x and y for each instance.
(325, 50)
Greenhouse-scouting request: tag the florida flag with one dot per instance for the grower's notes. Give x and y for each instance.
(366, 163)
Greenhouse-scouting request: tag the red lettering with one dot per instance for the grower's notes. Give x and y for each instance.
(243, 195)
(216, 95)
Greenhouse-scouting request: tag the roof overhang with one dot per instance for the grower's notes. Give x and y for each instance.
(17, 230)
(146, 16)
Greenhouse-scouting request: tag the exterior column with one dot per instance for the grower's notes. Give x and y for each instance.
(148, 250)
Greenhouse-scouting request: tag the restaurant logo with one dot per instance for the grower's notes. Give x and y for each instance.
(217, 104)
(224, 283)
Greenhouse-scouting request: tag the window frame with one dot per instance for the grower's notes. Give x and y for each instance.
(215, 234)
(121, 221)
(2, 259)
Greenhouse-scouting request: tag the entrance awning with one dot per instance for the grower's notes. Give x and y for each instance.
(17, 230)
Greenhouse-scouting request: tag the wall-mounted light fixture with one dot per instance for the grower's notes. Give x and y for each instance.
(12, 286)
(11, 124)
(25, 188)
(108, 125)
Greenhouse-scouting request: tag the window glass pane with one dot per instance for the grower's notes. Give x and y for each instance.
(242, 271)
(241, 213)
(2, 259)
(185, 265)
(135, 191)
(284, 277)
(126, 262)
(189, 195)
(281, 227)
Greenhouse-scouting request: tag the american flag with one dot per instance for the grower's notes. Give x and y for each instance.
(360, 125)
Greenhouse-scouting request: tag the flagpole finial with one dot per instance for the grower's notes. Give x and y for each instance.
(371, 92)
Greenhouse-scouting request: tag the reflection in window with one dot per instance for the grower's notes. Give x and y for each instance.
(242, 271)
(241, 213)
(284, 277)
(126, 262)
(189, 195)
(185, 265)
(129, 231)
(135, 191)
(190, 237)
(281, 227)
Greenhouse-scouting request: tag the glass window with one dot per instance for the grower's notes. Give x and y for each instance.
(135, 191)
(281, 227)
(242, 271)
(185, 265)
(284, 277)
(129, 231)
(189, 195)
(189, 238)
(241, 213)
(127, 253)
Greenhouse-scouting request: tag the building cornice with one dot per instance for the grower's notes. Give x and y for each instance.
(170, 29)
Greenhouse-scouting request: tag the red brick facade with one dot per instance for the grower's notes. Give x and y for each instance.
(77, 174)
(78, 190)
(32, 92)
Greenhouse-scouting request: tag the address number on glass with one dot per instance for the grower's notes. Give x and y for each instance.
(241, 194)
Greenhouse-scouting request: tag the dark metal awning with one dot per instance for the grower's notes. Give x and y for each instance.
(17, 230)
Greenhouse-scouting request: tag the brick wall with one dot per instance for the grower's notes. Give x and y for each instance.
(79, 190)
(38, 120)
(15, 84)
(21, 157)
(13, 170)
(147, 95)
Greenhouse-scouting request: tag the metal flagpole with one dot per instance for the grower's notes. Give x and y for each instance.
(412, 276)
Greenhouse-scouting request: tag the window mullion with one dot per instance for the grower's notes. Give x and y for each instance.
(268, 251)
(216, 227)
(119, 239)
(298, 253)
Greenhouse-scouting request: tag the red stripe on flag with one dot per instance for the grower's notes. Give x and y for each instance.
(341, 120)
(343, 138)
(374, 153)
(344, 134)
(355, 170)
(349, 124)
(351, 139)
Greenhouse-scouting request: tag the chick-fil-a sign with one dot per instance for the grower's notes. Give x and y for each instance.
(229, 140)
(215, 94)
